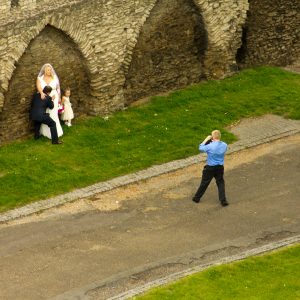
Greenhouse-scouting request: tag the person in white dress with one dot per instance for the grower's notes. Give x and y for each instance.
(47, 76)
(67, 114)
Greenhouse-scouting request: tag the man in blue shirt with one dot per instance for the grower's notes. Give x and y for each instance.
(214, 168)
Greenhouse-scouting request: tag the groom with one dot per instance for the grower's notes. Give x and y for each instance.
(39, 116)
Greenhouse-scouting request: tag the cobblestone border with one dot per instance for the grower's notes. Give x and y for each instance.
(276, 131)
(179, 275)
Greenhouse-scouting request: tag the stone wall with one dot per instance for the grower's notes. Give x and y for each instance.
(112, 52)
(169, 52)
(52, 46)
(271, 34)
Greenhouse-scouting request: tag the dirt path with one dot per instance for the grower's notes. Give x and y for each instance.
(117, 240)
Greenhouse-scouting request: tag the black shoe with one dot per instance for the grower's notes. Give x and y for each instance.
(57, 143)
(36, 137)
(196, 200)
(224, 203)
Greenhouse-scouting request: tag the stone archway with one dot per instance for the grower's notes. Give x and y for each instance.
(169, 52)
(54, 46)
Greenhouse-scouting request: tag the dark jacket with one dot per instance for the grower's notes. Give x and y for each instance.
(39, 106)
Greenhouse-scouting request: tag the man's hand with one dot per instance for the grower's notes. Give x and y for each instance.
(209, 137)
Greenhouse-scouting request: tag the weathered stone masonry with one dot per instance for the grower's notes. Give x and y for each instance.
(113, 52)
(271, 34)
(170, 50)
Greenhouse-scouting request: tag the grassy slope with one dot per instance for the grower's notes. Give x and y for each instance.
(167, 128)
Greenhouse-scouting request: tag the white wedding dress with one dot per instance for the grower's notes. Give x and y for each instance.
(53, 113)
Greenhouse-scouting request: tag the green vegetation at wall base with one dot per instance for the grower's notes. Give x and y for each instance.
(167, 128)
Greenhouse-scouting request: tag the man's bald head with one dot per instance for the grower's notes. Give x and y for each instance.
(216, 135)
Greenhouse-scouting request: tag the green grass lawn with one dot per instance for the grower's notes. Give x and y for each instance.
(275, 276)
(167, 128)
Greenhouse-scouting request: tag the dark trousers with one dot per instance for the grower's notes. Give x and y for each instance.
(48, 121)
(208, 173)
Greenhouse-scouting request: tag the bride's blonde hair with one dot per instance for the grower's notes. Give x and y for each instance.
(51, 70)
(43, 69)
(53, 75)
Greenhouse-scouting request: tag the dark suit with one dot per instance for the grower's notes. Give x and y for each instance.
(39, 116)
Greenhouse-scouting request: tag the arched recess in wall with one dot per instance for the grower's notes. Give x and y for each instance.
(170, 50)
(57, 48)
(242, 51)
(270, 34)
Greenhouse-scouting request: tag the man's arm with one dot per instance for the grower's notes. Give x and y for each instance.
(50, 103)
(202, 146)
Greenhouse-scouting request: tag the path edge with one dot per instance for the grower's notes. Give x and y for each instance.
(229, 259)
(154, 171)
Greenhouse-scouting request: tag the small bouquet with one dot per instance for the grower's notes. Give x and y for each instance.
(60, 108)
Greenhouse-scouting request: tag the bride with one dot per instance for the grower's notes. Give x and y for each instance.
(47, 76)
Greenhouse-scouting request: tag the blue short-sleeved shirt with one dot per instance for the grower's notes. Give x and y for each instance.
(215, 152)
